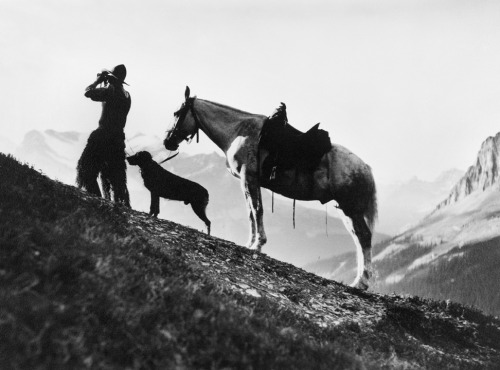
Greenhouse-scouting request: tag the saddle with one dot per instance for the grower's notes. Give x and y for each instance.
(290, 148)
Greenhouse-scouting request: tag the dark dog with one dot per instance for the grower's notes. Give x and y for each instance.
(162, 183)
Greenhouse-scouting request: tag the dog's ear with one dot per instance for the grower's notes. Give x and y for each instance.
(146, 156)
(187, 93)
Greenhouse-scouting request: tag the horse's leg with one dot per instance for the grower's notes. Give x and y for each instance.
(362, 237)
(251, 189)
(251, 218)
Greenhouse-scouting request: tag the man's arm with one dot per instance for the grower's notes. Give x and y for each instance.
(99, 94)
(96, 94)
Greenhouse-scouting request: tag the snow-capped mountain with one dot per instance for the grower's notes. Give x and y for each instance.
(453, 252)
(54, 153)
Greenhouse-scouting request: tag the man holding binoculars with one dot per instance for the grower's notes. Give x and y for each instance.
(105, 150)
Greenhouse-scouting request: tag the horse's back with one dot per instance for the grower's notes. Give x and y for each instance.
(345, 163)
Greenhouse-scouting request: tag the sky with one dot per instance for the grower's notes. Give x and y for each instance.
(410, 86)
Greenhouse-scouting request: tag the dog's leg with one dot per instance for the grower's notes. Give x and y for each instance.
(199, 209)
(154, 208)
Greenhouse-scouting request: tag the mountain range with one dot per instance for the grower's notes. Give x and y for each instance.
(451, 253)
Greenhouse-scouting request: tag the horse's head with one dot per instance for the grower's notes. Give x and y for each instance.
(186, 125)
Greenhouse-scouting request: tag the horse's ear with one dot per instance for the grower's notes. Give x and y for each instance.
(186, 93)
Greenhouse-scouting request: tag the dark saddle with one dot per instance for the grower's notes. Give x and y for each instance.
(290, 148)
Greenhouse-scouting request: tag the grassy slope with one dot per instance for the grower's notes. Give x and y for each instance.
(86, 284)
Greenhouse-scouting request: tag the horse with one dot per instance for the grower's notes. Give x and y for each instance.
(340, 176)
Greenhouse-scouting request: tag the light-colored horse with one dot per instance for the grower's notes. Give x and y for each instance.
(340, 175)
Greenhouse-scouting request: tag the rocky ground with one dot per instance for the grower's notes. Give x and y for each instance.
(437, 329)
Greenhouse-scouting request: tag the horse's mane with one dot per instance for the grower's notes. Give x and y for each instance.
(226, 107)
(184, 107)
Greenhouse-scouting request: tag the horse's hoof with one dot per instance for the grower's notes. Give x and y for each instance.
(361, 284)
(256, 246)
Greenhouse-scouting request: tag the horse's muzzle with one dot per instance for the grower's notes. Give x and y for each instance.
(170, 145)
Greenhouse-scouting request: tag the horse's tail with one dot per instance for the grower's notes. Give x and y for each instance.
(358, 197)
(371, 211)
(363, 201)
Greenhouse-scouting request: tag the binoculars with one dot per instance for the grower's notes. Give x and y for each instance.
(104, 76)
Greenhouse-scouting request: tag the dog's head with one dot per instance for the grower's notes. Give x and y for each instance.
(140, 159)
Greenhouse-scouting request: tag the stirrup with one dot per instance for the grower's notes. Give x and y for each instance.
(273, 173)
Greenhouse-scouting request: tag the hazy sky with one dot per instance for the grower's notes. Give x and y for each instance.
(411, 86)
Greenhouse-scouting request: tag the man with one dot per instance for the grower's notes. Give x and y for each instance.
(105, 150)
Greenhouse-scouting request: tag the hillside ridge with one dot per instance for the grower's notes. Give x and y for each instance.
(86, 283)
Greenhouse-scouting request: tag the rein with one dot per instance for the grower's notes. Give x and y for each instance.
(170, 157)
(188, 107)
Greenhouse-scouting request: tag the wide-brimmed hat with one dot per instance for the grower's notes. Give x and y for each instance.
(119, 72)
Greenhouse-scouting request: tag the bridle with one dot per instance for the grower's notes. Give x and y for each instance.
(187, 106)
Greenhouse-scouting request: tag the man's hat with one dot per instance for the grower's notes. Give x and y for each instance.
(119, 72)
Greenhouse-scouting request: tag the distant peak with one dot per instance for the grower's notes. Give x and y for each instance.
(63, 135)
(483, 174)
(451, 174)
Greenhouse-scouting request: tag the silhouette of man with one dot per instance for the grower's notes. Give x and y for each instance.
(105, 150)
